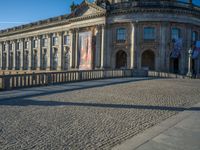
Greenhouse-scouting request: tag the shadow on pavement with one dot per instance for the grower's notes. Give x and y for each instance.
(29, 102)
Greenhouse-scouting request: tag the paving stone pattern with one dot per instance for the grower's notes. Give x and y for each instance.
(94, 118)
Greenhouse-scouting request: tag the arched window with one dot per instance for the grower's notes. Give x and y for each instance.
(121, 35)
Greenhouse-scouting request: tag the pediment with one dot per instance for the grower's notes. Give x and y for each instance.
(87, 9)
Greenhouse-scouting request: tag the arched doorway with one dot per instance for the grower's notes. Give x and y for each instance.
(148, 59)
(121, 59)
(174, 65)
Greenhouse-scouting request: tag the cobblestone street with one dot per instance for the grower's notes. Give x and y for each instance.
(91, 118)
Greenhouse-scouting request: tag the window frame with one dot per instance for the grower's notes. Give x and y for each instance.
(148, 36)
(66, 40)
(121, 35)
(172, 34)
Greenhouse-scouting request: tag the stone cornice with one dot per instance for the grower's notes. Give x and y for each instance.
(156, 10)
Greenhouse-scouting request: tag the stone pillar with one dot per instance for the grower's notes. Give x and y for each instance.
(108, 47)
(132, 52)
(71, 34)
(102, 46)
(29, 53)
(98, 48)
(137, 57)
(39, 51)
(14, 54)
(7, 55)
(21, 49)
(49, 51)
(60, 50)
(76, 49)
(163, 46)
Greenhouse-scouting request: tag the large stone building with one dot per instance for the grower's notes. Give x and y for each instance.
(107, 34)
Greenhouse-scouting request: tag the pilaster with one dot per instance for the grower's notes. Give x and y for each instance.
(132, 51)
(98, 48)
(102, 46)
(7, 55)
(71, 34)
(49, 51)
(39, 52)
(14, 55)
(60, 49)
(76, 49)
(21, 50)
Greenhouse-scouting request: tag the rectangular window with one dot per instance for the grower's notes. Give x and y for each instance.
(18, 45)
(55, 41)
(44, 42)
(10, 46)
(176, 34)
(35, 43)
(121, 35)
(26, 45)
(149, 33)
(66, 40)
(194, 36)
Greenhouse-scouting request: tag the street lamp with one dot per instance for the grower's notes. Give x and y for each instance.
(189, 74)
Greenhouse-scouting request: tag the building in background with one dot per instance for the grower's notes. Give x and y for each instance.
(153, 34)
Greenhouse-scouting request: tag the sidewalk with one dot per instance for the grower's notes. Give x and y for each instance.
(180, 132)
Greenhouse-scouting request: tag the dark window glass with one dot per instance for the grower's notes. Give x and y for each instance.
(121, 35)
(149, 33)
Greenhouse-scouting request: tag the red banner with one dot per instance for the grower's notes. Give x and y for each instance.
(85, 51)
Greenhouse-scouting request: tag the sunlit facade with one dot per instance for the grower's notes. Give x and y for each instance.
(104, 34)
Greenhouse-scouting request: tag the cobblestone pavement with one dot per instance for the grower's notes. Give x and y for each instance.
(93, 118)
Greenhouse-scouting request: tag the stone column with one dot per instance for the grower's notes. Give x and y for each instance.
(108, 47)
(49, 51)
(102, 46)
(76, 49)
(39, 51)
(60, 50)
(29, 53)
(163, 46)
(71, 34)
(98, 48)
(7, 56)
(21, 49)
(132, 52)
(14, 54)
(137, 55)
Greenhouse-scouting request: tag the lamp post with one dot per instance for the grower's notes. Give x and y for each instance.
(189, 74)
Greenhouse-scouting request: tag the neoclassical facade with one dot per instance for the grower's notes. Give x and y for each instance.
(153, 34)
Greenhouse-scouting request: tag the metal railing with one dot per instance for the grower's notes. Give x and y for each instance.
(14, 81)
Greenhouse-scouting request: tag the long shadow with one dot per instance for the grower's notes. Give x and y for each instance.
(30, 102)
(52, 91)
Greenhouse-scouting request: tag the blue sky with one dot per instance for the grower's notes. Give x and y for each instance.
(17, 12)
